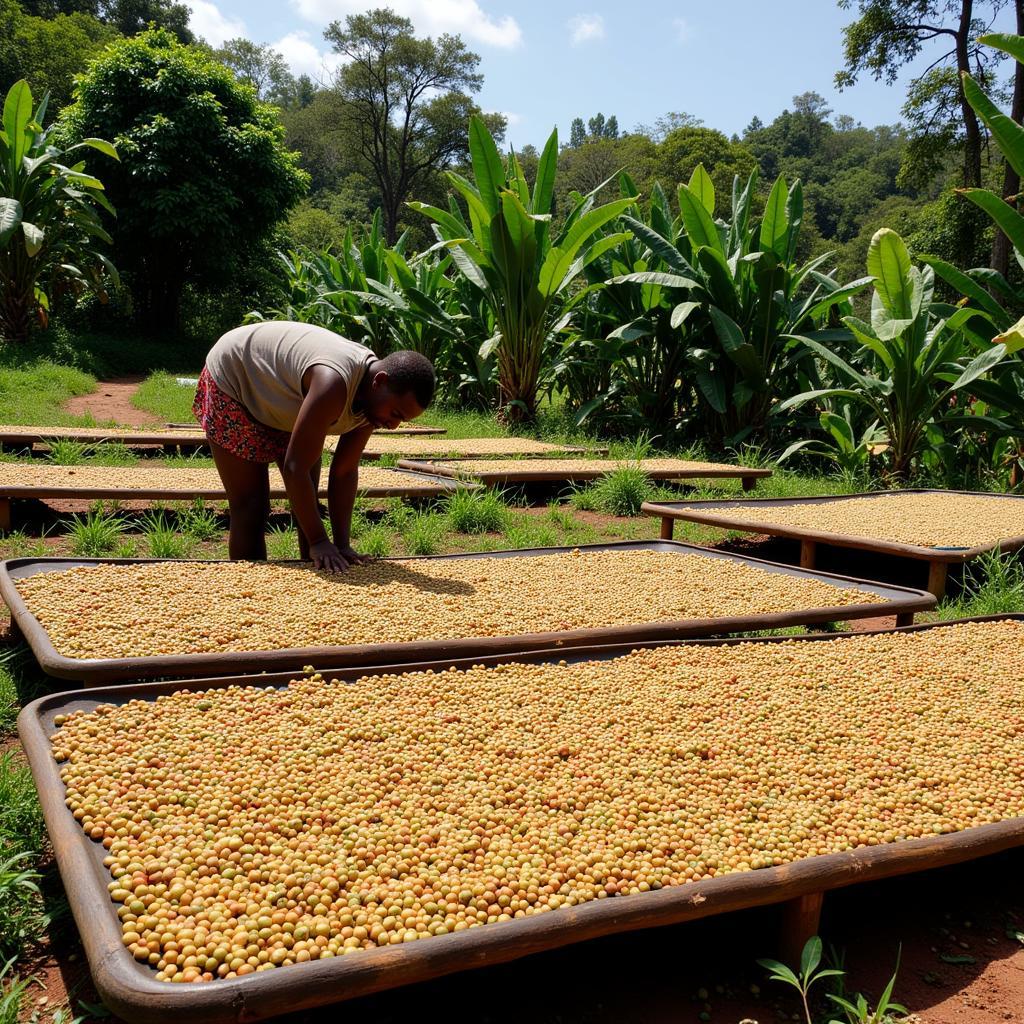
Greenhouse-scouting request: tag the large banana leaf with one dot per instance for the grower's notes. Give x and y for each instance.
(889, 265)
(1008, 134)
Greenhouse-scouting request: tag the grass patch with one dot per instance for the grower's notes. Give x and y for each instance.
(19, 544)
(161, 395)
(993, 585)
(96, 534)
(622, 492)
(199, 521)
(34, 392)
(423, 533)
(376, 541)
(162, 540)
(527, 532)
(480, 511)
(13, 994)
(282, 543)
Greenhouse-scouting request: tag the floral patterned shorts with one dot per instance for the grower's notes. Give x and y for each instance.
(229, 424)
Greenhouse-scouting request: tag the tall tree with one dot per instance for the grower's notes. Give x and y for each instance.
(204, 176)
(406, 100)
(1011, 179)
(577, 133)
(48, 52)
(260, 66)
(891, 33)
(129, 17)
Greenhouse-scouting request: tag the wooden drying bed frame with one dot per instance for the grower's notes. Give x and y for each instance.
(525, 471)
(879, 599)
(129, 989)
(392, 483)
(939, 560)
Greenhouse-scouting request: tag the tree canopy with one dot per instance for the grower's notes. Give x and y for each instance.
(406, 100)
(204, 175)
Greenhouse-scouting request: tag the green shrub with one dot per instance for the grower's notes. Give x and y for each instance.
(376, 542)
(423, 533)
(282, 543)
(623, 491)
(162, 539)
(480, 511)
(95, 535)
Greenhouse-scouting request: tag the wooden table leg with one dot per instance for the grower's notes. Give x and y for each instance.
(937, 575)
(5, 515)
(801, 918)
(807, 552)
(667, 523)
(749, 483)
(904, 619)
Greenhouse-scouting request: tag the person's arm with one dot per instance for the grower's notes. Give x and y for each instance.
(342, 483)
(325, 398)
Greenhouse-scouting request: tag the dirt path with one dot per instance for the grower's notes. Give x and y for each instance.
(112, 400)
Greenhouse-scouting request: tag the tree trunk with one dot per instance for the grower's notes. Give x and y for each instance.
(15, 316)
(1011, 179)
(390, 206)
(158, 295)
(972, 130)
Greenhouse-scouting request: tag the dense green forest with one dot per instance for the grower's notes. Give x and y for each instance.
(855, 178)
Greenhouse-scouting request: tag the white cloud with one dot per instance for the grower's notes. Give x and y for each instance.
(585, 27)
(511, 118)
(304, 58)
(683, 29)
(207, 22)
(460, 17)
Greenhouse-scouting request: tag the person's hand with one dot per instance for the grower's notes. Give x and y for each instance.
(327, 557)
(352, 556)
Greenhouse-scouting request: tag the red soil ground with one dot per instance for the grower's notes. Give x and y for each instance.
(112, 400)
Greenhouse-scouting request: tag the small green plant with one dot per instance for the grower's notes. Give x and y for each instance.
(583, 498)
(639, 448)
(398, 515)
(375, 541)
(359, 525)
(856, 1009)
(282, 543)
(527, 533)
(96, 534)
(423, 533)
(475, 511)
(127, 548)
(66, 452)
(623, 491)
(114, 453)
(19, 903)
(200, 522)
(560, 517)
(387, 460)
(12, 993)
(162, 540)
(993, 585)
(19, 544)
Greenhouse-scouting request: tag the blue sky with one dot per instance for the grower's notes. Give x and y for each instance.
(547, 62)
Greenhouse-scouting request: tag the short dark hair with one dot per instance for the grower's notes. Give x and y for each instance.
(410, 371)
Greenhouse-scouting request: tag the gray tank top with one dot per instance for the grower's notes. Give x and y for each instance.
(262, 366)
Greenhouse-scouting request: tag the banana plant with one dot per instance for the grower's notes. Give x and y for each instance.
(49, 217)
(986, 289)
(850, 447)
(737, 286)
(623, 360)
(506, 248)
(916, 356)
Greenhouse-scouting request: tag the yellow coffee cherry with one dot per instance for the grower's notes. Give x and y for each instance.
(250, 828)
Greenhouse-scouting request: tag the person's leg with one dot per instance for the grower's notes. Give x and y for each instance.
(314, 475)
(248, 489)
